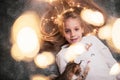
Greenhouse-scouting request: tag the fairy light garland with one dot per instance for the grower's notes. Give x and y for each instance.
(71, 5)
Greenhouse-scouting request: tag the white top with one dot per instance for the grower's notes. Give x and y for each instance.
(101, 59)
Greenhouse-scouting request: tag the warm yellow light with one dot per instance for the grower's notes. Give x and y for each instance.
(44, 59)
(27, 19)
(95, 18)
(74, 50)
(115, 69)
(16, 53)
(27, 41)
(26, 34)
(50, 1)
(105, 32)
(39, 77)
(116, 34)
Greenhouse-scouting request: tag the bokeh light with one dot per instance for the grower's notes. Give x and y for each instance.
(16, 53)
(116, 33)
(115, 69)
(49, 1)
(44, 59)
(92, 17)
(105, 32)
(27, 42)
(39, 77)
(25, 36)
(74, 50)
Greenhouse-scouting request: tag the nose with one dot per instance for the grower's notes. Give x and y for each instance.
(72, 33)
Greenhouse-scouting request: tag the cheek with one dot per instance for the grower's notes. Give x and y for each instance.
(80, 33)
(82, 30)
(66, 36)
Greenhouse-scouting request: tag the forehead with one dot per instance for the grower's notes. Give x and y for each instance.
(72, 22)
(77, 19)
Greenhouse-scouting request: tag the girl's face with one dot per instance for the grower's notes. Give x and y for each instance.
(72, 30)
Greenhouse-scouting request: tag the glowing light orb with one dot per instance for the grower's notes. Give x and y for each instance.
(92, 17)
(27, 19)
(115, 69)
(27, 41)
(39, 77)
(50, 1)
(105, 32)
(44, 59)
(16, 53)
(74, 50)
(25, 35)
(116, 34)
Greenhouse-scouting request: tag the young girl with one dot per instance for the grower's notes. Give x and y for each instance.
(73, 28)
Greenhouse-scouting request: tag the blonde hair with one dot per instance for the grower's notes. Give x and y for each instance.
(49, 30)
(52, 23)
(75, 14)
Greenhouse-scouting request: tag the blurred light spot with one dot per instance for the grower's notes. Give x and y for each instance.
(105, 32)
(92, 17)
(27, 19)
(44, 59)
(116, 34)
(16, 53)
(74, 50)
(25, 35)
(115, 69)
(39, 77)
(27, 42)
(49, 1)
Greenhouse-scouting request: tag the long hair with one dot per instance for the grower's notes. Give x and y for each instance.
(52, 23)
(75, 14)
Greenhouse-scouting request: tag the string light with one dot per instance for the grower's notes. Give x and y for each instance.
(62, 4)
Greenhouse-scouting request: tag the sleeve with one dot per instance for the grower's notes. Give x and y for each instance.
(107, 55)
(61, 62)
(110, 60)
(104, 51)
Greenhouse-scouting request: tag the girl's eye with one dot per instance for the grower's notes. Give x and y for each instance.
(67, 31)
(76, 29)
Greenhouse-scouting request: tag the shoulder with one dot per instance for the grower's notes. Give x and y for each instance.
(91, 37)
(93, 40)
(62, 50)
